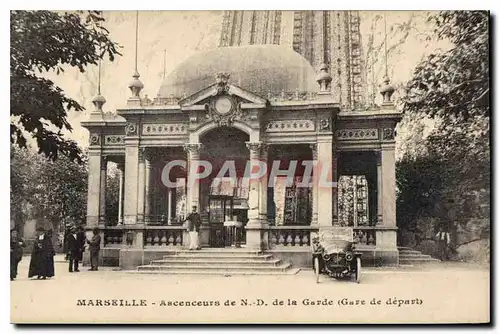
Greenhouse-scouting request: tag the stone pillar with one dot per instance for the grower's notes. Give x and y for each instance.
(169, 206)
(324, 148)
(102, 192)
(94, 186)
(315, 181)
(121, 168)
(388, 185)
(130, 189)
(254, 226)
(147, 203)
(193, 186)
(263, 187)
(379, 188)
(141, 186)
(263, 196)
(335, 190)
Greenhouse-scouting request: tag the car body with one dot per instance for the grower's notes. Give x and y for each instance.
(338, 257)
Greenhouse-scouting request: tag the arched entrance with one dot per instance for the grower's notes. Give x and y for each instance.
(224, 194)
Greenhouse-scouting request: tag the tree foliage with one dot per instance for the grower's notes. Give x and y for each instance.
(43, 41)
(449, 177)
(51, 191)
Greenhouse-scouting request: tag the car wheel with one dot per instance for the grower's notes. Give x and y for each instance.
(358, 269)
(316, 269)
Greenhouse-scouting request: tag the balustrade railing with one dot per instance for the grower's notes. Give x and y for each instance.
(113, 237)
(163, 236)
(290, 236)
(365, 236)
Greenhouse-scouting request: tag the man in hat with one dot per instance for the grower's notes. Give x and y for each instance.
(443, 239)
(193, 227)
(73, 249)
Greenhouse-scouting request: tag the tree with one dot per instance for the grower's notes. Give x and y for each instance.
(43, 41)
(55, 191)
(452, 88)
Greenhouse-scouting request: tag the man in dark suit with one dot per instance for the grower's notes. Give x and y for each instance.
(193, 227)
(74, 249)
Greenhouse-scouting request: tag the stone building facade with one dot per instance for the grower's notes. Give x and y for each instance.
(282, 86)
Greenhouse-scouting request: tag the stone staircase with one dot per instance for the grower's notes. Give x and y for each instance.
(218, 261)
(409, 256)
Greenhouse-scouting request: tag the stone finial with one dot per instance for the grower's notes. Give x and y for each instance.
(135, 85)
(386, 90)
(324, 78)
(98, 102)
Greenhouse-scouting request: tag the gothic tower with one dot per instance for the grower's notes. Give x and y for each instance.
(331, 37)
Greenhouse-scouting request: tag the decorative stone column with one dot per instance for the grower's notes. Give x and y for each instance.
(121, 168)
(324, 149)
(380, 195)
(102, 192)
(131, 175)
(193, 186)
(254, 225)
(315, 181)
(147, 203)
(335, 191)
(263, 195)
(94, 188)
(141, 185)
(263, 186)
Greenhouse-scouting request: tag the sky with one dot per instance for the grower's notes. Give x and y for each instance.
(180, 34)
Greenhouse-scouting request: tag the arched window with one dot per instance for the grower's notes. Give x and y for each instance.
(353, 200)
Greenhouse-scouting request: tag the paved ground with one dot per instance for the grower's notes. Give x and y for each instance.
(444, 293)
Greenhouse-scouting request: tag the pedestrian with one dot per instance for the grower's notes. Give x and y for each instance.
(38, 261)
(193, 227)
(73, 250)
(16, 253)
(49, 253)
(94, 247)
(443, 240)
(317, 251)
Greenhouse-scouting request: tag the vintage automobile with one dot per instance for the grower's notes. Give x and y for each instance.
(336, 255)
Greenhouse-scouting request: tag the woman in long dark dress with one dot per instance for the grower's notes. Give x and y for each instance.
(38, 266)
(49, 254)
(16, 253)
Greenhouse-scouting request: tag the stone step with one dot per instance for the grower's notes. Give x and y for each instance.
(414, 261)
(216, 261)
(407, 251)
(206, 271)
(415, 256)
(218, 268)
(218, 251)
(189, 256)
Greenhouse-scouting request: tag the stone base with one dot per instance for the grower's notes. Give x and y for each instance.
(131, 258)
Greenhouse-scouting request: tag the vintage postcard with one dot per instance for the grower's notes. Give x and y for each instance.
(244, 167)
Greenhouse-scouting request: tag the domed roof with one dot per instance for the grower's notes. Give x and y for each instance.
(256, 68)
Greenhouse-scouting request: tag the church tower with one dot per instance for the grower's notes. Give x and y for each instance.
(322, 37)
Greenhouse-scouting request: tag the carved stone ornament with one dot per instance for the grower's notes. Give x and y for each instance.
(388, 134)
(221, 79)
(94, 139)
(131, 129)
(192, 148)
(325, 124)
(224, 110)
